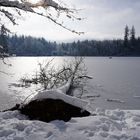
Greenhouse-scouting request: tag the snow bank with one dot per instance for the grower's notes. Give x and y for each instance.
(107, 125)
(60, 93)
(57, 94)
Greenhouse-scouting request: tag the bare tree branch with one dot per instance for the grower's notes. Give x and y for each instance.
(16, 4)
(30, 7)
(8, 15)
(51, 78)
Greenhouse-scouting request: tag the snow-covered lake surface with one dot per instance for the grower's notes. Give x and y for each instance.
(115, 83)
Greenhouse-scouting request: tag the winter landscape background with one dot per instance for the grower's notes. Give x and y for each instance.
(106, 33)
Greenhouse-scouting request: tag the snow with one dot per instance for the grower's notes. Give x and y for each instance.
(106, 125)
(56, 94)
(60, 93)
(1, 47)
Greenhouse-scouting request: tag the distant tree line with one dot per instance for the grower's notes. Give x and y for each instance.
(29, 46)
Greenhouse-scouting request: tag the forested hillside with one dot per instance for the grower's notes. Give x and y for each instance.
(29, 46)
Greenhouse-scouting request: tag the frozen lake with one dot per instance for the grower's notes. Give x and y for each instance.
(116, 79)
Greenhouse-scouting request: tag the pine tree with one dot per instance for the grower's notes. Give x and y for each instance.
(3, 39)
(132, 37)
(126, 36)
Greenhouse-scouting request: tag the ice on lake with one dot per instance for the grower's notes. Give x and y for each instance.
(115, 79)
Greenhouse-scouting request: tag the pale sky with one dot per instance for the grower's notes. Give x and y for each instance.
(104, 19)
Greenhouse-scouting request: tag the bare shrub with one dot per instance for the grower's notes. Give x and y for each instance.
(51, 77)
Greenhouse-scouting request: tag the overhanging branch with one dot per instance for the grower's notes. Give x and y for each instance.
(29, 7)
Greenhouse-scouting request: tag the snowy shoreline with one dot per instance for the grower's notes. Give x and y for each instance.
(106, 125)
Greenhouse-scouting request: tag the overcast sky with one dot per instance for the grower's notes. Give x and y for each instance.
(103, 19)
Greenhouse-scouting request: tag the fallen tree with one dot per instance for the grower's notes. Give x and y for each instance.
(51, 77)
(50, 105)
(56, 100)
